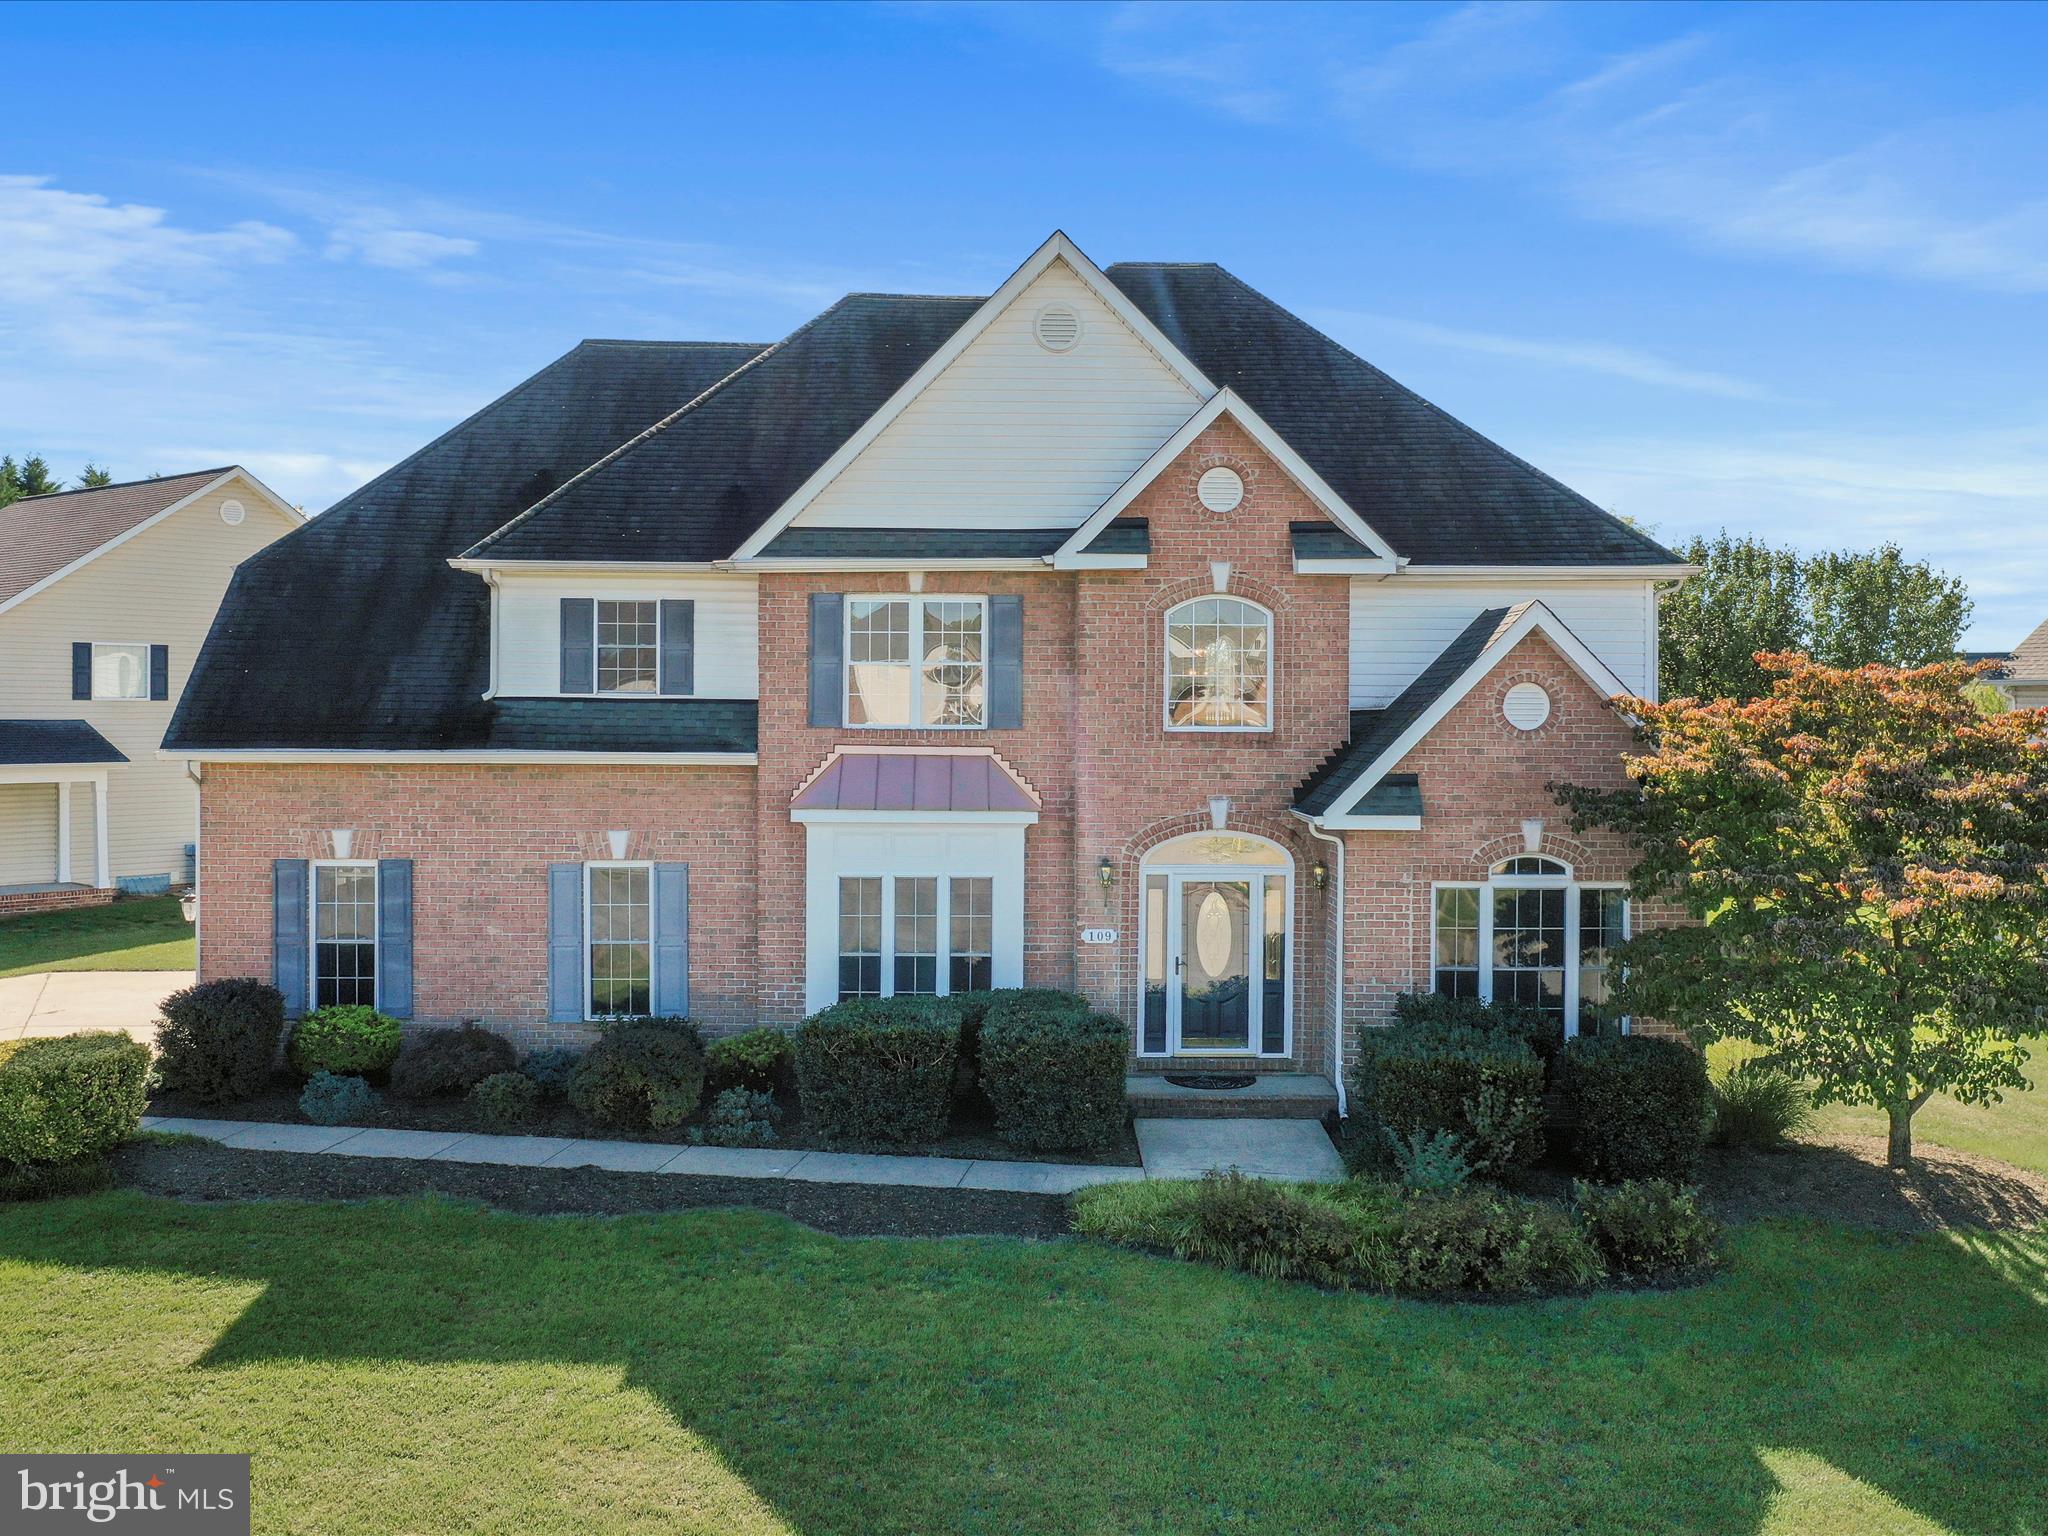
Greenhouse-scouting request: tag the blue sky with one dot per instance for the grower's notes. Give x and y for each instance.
(1783, 269)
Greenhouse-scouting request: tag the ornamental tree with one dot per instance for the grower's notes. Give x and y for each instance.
(1865, 856)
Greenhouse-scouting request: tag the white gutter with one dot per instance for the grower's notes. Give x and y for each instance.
(1337, 1005)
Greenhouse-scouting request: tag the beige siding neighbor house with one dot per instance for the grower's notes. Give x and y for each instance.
(106, 595)
(2025, 680)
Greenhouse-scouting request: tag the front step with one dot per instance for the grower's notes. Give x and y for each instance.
(1270, 1096)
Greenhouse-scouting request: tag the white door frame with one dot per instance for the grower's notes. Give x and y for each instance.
(1255, 875)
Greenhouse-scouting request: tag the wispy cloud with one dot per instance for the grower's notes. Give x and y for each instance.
(1601, 357)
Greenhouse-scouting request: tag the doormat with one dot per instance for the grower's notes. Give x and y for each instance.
(1211, 1079)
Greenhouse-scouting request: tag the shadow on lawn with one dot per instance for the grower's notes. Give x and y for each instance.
(982, 1385)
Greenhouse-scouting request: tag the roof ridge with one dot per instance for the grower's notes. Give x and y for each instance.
(122, 485)
(653, 341)
(647, 433)
(878, 293)
(1466, 428)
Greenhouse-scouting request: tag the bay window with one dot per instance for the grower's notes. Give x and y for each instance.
(1530, 934)
(915, 935)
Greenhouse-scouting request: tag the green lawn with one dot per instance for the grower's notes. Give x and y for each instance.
(2014, 1130)
(422, 1366)
(147, 933)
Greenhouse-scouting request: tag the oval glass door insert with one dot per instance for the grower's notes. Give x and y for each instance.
(1213, 935)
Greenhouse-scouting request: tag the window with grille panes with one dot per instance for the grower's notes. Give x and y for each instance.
(915, 935)
(916, 661)
(621, 944)
(1531, 934)
(628, 646)
(1219, 666)
(344, 934)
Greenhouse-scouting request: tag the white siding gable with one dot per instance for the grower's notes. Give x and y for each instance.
(529, 628)
(1011, 435)
(1398, 628)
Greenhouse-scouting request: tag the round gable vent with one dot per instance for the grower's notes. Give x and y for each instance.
(1526, 705)
(1220, 489)
(1058, 327)
(232, 512)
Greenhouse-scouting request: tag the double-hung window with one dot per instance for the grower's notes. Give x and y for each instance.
(628, 646)
(915, 935)
(344, 934)
(1531, 934)
(917, 662)
(619, 922)
(120, 671)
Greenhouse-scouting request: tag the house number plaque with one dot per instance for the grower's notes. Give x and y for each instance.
(1098, 935)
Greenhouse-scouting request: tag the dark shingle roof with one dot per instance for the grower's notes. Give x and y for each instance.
(1325, 541)
(2030, 656)
(354, 633)
(694, 487)
(622, 725)
(25, 743)
(1375, 730)
(1122, 536)
(40, 535)
(1425, 482)
(914, 543)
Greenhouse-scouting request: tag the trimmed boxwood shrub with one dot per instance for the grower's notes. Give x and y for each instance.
(70, 1096)
(879, 1069)
(1647, 1227)
(550, 1068)
(644, 1074)
(1483, 1086)
(348, 1040)
(218, 1041)
(1053, 1069)
(1640, 1107)
(738, 1117)
(441, 1063)
(506, 1100)
(757, 1058)
(1541, 1032)
(330, 1099)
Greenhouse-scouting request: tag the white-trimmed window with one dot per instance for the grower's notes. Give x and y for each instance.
(917, 661)
(618, 923)
(1530, 934)
(120, 671)
(628, 645)
(1219, 666)
(915, 935)
(344, 926)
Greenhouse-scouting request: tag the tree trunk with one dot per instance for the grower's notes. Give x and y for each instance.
(1899, 1149)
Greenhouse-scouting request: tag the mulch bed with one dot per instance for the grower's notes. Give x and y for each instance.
(1844, 1179)
(202, 1171)
(972, 1139)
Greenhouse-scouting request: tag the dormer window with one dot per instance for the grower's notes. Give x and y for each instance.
(1219, 666)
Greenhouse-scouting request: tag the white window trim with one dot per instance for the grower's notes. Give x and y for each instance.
(590, 1013)
(1166, 668)
(1175, 938)
(1565, 882)
(917, 600)
(143, 697)
(596, 657)
(945, 925)
(313, 928)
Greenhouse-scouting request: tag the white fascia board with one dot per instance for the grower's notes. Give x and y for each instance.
(1057, 248)
(1086, 562)
(889, 563)
(500, 758)
(1535, 617)
(1539, 572)
(1227, 402)
(920, 818)
(1314, 567)
(488, 568)
(1368, 823)
(275, 502)
(57, 773)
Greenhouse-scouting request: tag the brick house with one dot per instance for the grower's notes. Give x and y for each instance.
(1117, 631)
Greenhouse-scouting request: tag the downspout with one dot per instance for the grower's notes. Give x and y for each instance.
(196, 772)
(1337, 989)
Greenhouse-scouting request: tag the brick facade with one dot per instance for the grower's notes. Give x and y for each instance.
(1114, 783)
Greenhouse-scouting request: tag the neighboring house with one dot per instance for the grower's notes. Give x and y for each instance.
(105, 597)
(2024, 679)
(1118, 631)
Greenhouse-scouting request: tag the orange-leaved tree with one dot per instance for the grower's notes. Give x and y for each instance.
(1866, 858)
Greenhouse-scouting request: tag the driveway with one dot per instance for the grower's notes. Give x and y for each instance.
(70, 1002)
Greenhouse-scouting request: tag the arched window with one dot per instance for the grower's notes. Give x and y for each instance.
(1532, 934)
(1219, 666)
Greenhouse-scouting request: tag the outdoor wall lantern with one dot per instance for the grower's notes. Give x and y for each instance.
(1106, 873)
(1320, 873)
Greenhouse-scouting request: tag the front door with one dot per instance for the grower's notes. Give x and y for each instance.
(1216, 972)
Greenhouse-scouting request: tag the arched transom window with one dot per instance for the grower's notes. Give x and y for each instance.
(1219, 666)
(1531, 933)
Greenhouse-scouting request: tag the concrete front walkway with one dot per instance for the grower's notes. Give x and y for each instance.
(1296, 1150)
(72, 1002)
(652, 1157)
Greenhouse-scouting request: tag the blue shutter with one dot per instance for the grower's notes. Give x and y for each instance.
(565, 943)
(288, 933)
(394, 937)
(828, 630)
(1005, 663)
(159, 671)
(81, 669)
(672, 940)
(678, 646)
(579, 645)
